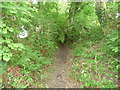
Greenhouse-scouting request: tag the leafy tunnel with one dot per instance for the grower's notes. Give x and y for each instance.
(32, 33)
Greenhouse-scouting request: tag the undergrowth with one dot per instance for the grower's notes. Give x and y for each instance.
(32, 32)
(95, 47)
(95, 64)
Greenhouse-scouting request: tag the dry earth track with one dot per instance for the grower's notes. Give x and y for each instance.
(59, 77)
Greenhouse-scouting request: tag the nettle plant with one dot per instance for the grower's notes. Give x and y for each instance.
(22, 44)
(7, 43)
(10, 24)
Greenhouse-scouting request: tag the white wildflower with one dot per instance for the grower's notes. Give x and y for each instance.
(94, 21)
(82, 71)
(23, 33)
(36, 29)
(118, 14)
(83, 63)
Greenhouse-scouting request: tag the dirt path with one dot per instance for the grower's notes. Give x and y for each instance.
(59, 77)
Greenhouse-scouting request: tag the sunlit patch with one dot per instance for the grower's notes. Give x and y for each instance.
(35, 1)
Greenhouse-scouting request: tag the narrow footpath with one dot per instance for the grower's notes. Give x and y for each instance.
(59, 77)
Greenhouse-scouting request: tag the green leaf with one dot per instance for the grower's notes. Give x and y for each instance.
(4, 31)
(16, 46)
(2, 25)
(1, 40)
(62, 37)
(7, 40)
(115, 49)
(5, 48)
(113, 39)
(11, 45)
(10, 29)
(6, 58)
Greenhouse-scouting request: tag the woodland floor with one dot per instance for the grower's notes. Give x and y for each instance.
(59, 78)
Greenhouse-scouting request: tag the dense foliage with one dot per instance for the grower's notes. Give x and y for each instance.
(95, 47)
(32, 52)
(90, 33)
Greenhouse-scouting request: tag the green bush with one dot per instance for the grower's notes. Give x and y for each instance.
(113, 41)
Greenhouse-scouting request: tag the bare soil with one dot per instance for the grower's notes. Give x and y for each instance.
(59, 77)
